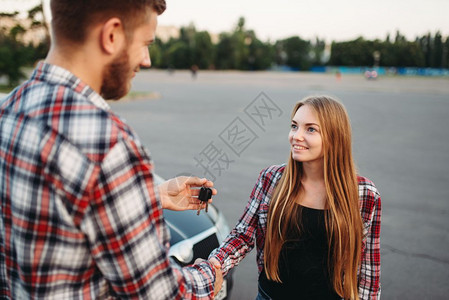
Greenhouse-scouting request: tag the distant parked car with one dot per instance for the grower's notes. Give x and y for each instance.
(371, 74)
(194, 236)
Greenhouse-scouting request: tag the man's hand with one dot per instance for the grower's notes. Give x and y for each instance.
(218, 273)
(218, 280)
(181, 193)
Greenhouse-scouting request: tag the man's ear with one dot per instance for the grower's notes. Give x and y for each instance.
(112, 36)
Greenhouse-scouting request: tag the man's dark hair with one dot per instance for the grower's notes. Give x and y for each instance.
(71, 19)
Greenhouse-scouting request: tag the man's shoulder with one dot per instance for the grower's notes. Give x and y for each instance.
(38, 96)
(70, 112)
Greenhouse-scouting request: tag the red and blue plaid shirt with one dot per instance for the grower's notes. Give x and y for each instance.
(252, 228)
(79, 214)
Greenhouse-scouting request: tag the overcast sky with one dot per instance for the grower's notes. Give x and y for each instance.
(327, 19)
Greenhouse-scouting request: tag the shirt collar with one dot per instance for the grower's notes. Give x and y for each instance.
(57, 75)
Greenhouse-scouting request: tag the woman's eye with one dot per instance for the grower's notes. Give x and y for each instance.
(311, 129)
(293, 126)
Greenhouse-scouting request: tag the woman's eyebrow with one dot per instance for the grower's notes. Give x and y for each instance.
(307, 124)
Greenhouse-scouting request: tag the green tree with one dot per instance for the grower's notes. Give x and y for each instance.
(225, 50)
(428, 50)
(437, 61)
(191, 48)
(359, 52)
(179, 55)
(14, 53)
(445, 62)
(242, 39)
(399, 38)
(156, 54)
(409, 54)
(242, 50)
(317, 52)
(38, 20)
(261, 55)
(294, 51)
(203, 51)
(12, 57)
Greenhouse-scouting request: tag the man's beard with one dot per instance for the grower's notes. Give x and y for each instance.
(115, 77)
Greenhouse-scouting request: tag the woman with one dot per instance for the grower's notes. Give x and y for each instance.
(316, 223)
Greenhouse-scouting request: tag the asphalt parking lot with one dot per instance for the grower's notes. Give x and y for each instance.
(400, 141)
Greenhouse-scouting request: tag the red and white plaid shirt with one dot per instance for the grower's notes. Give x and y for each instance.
(252, 228)
(79, 215)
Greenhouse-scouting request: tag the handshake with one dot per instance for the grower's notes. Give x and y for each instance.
(218, 273)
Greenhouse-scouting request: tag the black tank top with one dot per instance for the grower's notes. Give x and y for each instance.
(303, 262)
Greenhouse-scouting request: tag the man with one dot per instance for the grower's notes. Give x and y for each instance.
(80, 217)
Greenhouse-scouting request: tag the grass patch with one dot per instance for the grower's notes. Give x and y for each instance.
(6, 88)
(135, 95)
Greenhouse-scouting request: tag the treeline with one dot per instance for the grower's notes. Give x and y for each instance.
(241, 49)
(429, 51)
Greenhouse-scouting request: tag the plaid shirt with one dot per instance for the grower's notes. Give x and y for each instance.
(79, 216)
(252, 228)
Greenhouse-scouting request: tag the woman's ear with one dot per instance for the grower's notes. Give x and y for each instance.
(112, 36)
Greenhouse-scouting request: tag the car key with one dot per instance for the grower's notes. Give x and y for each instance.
(204, 196)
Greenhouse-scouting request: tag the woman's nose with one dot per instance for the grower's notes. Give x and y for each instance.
(298, 135)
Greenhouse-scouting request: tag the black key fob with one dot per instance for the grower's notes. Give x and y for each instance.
(205, 194)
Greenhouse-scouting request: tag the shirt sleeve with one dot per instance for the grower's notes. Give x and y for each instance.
(369, 273)
(241, 239)
(127, 234)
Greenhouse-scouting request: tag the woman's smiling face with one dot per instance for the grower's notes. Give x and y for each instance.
(305, 136)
